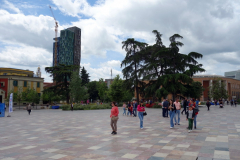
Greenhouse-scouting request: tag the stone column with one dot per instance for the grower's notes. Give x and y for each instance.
(210, 85)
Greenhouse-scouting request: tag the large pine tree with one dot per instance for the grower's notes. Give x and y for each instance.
(84, 76)
(132, 63)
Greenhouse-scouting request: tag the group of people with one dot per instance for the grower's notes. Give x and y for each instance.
(221, 102)
(131, 107)
(132, 110)
(190, 107)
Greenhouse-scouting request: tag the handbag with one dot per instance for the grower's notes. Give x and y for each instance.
(144, 113)
(113, 118)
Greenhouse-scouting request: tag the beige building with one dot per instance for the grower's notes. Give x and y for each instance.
(13, 80)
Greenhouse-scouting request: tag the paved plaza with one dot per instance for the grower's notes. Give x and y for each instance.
(79, 135)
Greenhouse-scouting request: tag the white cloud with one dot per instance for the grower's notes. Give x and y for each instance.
(111, 64)
(10, 6)
(208, 27)
(72, 7)
(101, 72)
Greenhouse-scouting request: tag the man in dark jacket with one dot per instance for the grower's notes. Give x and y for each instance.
(165, 108)
(185, 103)
(135, 108)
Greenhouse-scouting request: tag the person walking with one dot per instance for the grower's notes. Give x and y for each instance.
(178, 110)
(235, 102)
(185, 102)
(124, 109)
(191, 104)
(114, 117)
(29, 109)
(208, 104)
(71, 106)
(190, 118)
(165, 108)
(172, 111)
(129, 110)
(231, 102)
(135, 109)
(197, 103)
(220, 103)
(195, 108)
(140, 110)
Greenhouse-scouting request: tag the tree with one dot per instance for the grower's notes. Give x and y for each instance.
(116, 92)
(127, 95)
(18, 96)
(168, 70)
(194, 90)
(218, 89)
(132, 63)
(77, 91)
(92, 90)
(84, 76)
(31, 96)
(48, 96)
(102, 89)
(61, 76)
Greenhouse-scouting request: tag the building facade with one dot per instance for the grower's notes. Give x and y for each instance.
(233, 74)
(13, 80)
(68, 47)
(232, 87)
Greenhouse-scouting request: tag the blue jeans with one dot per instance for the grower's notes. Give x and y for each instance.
(129, 112)
(177, 113)
(195, 121)
(124, 111)
(172, 115)
(135, 111)
(140, 115)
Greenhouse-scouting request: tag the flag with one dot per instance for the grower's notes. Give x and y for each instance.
(11, 103)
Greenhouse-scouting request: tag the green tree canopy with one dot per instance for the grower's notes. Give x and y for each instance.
(132, 63)
(116, 91)
(77, 91)
(218, 89)
(102, 89)
(61, 76)
(84, 76)
(92, 90)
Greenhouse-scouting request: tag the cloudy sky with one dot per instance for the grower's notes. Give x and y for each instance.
(210, 27)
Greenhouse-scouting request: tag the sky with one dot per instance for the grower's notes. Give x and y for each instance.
(208, 27)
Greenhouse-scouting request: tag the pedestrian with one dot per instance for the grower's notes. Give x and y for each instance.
(124, 109)
(178, 110)
(185, 102)
(220, 103)
(215, 102)
(231, 102)
(29, 109)
(196, 113)
(190, 117)
(135, 109)
(172, 111)
(129, 110)
(227, 102)
(114, 117)
(235, 102)
(71, 106)
(165, 108)
(197, 103)
(208, 104)
(140, 110)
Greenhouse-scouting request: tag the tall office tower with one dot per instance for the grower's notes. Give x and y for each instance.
(68, 47)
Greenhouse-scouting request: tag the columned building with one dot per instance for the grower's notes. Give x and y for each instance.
(232, 85)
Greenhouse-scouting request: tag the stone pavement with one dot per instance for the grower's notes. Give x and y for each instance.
(56, 134)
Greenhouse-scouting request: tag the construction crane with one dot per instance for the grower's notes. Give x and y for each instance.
(56, 31)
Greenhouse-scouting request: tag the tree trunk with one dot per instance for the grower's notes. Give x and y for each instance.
(136, 83)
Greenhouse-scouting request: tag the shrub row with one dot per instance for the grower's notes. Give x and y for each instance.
(85, 107)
